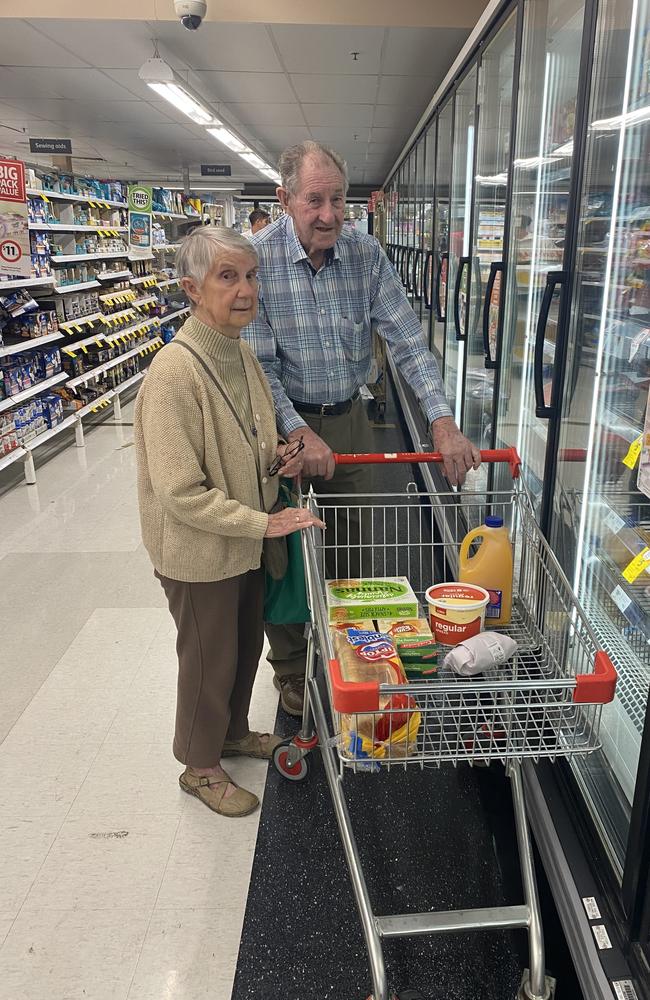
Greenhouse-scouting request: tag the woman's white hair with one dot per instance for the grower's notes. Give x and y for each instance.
(200, 250)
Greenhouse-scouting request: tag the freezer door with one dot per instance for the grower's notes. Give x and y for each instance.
(542, 170)
(440, 260)
(601, 509)
(425, 284)
(496, 77)
(459, 262)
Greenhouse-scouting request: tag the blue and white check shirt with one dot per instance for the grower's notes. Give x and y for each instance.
(313, 331)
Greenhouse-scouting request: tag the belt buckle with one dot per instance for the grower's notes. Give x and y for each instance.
(326, 409)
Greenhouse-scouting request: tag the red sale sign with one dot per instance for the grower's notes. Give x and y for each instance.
(15, 256)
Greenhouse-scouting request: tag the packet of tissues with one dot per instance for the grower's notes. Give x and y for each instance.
(480, 652)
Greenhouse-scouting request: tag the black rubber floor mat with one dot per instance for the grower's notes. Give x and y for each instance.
(426, 842)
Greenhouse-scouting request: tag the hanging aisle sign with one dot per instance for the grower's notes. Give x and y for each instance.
(140, 208)
(15, 256)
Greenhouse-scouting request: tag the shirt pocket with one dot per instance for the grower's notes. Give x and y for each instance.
(353, 340)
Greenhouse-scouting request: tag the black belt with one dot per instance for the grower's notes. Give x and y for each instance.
(327, 409)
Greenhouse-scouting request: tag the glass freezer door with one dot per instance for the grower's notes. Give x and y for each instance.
(601, 510)
(548, 87)
(496, 78)
(441, 232)
(459, 240)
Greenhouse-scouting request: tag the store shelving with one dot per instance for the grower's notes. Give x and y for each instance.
(78, 287)
(168, 281)
(178, 216)
(160, 247)
(11, 457)
(96, 372)
(175, 314)
(61, 196)
(52, 432)
(74, 258)
(79, 321)
(130, 331)
(26, 282)
(114, 275)
(33, 390)
(29, 344)
(145, 279)
(60, 227)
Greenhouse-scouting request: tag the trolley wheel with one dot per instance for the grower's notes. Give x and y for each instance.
(292, 772)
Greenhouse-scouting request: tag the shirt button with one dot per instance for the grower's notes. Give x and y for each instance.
(327, 343)
(257, 417)
(263, 444)
(264, 480)
(322, 312)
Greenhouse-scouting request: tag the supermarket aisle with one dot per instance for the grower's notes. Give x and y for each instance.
(113, 884)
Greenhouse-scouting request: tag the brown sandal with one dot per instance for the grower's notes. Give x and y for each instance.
(212, 791)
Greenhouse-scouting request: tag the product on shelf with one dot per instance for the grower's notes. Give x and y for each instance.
(383, 597)
(32, 325)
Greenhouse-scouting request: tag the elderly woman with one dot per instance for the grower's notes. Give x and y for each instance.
(207, 451)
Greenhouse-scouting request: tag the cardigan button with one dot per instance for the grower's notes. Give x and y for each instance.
(264, 480)
(257, 417)
(263, 444)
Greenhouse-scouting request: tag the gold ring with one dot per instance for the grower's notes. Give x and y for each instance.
(297, 517)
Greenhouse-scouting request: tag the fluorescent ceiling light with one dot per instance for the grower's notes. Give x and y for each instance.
(629, 118)
(254, 160)
(162, 79)
(229, 140)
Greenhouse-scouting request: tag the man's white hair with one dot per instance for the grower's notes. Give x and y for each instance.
(292, 159)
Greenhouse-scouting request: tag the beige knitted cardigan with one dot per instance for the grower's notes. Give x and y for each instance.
(198, 484)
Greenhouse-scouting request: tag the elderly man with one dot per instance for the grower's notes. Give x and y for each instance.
(322, 290)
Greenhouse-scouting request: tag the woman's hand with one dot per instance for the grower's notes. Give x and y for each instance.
(292, 468)
(291, 519)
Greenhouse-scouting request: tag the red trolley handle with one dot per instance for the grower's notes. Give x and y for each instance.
(508, 455)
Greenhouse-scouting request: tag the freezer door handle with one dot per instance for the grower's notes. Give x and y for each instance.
(426, 278)
(440, 309)
(553, 280)
(496, 267)
(417, 274)
(409, 268)
(461, 334)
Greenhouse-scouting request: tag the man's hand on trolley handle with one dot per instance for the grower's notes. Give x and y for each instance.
(318, 458)
(459, 455)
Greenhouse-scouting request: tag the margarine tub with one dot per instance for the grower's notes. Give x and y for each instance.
(456, 611)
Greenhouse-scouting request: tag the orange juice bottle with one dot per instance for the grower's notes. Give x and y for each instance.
(490, 568)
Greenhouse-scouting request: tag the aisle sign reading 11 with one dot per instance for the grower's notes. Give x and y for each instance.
(15, 257)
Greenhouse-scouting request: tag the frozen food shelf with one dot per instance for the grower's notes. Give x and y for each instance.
(73, 258)
(25, 283)
(100, 369)
(11, 457)
(174, 315)
(29, 345)
(33, 390)
(60, 227)
(63, 196)
(79, 287)
(52, 432)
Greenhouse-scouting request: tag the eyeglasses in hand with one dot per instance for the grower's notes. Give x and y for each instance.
(281, 460)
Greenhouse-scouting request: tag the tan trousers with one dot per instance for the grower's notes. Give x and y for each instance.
(345, 433)
(220, 636)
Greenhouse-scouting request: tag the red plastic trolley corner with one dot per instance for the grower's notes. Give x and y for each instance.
(350, 697)
(598, 688)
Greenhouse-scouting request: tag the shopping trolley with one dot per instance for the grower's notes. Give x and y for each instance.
(545, 702)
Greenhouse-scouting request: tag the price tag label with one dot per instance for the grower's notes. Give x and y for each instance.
(639, 565)
(624, 989)
(601, 936)
(620, 599)
(632, 457)
(591, 907)
(613, 522)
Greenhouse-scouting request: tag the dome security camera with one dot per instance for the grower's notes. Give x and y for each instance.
(191, 13)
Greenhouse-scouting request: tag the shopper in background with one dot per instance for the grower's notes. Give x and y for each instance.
(205, 438)
(259, 219)
(323, 289)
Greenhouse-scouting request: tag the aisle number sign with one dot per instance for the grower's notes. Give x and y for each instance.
(15, 259)
(140, 219)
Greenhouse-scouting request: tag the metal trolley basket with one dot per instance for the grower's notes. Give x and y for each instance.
(545, 702)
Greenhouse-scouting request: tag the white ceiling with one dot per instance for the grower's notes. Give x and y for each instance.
(277, 84)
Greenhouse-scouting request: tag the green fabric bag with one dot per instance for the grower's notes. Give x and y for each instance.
(285, 600)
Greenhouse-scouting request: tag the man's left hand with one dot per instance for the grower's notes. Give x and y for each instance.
(459, 454)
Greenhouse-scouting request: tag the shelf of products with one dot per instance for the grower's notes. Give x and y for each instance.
(174, 315)
(61, 227)
(76, 258)
(94, 373)
(34, 390)
(7, 350)
(94, 200)
(25, 283)
(81, 286)
(11, 457)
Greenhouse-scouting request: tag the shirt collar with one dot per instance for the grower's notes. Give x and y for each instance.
(297, 251)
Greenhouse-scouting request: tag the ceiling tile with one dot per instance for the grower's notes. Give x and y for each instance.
(230, 47)
(319, 89)
(393, 115)
(412, 91)
(101, 43)
(90, 84)
(22, 45)
(328, 50)
(236, 87)
(268, 114)
(278, 139)
(422, 51)
(346, 115)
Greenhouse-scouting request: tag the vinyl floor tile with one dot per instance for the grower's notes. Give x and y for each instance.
(72, 954)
